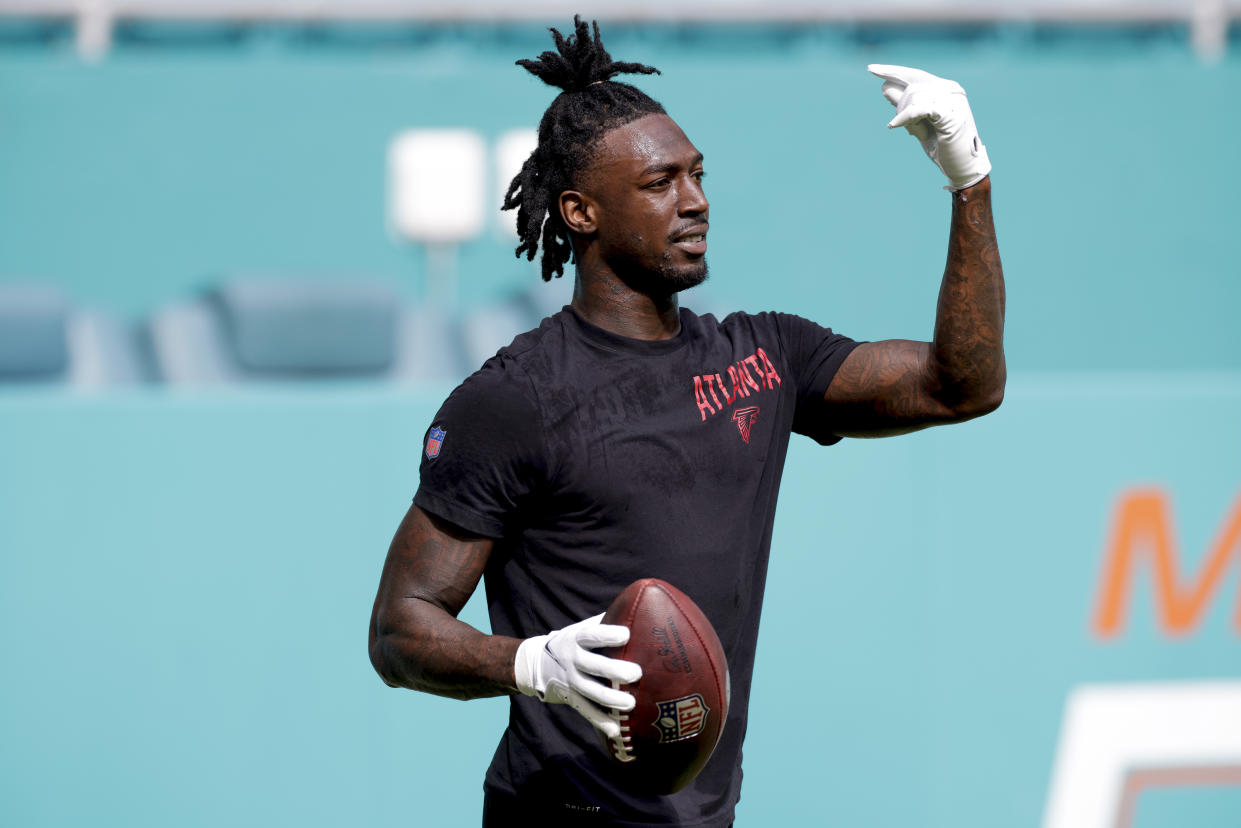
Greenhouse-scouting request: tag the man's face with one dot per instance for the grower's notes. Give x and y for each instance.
(651, 212)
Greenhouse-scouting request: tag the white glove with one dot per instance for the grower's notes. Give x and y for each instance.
(936, 112)
(559, 668)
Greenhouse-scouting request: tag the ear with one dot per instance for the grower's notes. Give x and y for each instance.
(578, 212)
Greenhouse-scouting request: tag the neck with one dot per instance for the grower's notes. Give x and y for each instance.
(605, 301)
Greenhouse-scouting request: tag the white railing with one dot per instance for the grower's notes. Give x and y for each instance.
(1207, 20)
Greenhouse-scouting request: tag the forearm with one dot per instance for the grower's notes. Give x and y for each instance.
(429, 650)
(967, 350)
(416, 640)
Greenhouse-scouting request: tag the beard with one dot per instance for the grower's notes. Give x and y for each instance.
(667, 278)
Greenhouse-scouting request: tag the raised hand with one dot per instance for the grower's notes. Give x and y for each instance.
(936, 112)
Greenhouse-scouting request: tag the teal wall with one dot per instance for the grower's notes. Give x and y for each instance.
(186, 582)
(185, 579)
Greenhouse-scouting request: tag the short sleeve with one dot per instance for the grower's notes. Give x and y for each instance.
(815, 354)
(482, 454)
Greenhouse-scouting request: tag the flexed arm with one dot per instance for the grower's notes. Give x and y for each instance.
(898, 386)
(417, 642)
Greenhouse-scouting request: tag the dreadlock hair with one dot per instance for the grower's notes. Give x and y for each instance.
(590, 104)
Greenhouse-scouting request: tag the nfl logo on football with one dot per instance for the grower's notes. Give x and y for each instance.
(682, 718)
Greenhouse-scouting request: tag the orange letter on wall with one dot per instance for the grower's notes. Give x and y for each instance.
(1143, 529)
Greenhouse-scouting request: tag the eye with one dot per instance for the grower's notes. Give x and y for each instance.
(658, 183)
(699, 174)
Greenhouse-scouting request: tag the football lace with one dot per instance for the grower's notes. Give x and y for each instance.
(622, 744)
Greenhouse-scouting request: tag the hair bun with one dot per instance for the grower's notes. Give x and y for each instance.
(580, 60)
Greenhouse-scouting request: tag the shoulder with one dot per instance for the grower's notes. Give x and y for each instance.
(508, 376)
(741, 319)
(793, 332)
(765, 326)
(549, 331)
(711, 324)
(492, 419)
(497, 390)
(772, 320)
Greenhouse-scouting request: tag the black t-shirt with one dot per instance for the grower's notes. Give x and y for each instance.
(596, 460)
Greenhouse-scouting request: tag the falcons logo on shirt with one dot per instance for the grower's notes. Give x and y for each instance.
(745, 418)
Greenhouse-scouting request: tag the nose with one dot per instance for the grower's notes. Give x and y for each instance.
(694, 199)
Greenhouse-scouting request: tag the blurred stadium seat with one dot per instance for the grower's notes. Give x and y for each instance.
(45, 338)
(309, 327)
(263, 328)
(33, 331)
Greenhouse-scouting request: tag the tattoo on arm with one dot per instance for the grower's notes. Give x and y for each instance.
(968, 346)
(416, 640)
(897, 386)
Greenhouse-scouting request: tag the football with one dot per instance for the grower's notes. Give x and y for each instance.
(683, 695)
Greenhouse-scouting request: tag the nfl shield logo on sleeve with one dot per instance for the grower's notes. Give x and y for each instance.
(434, 441)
